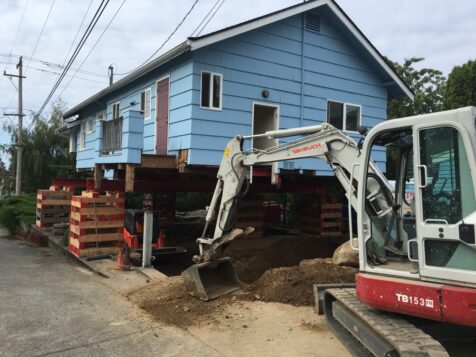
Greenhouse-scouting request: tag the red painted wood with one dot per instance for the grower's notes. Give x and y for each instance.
(162, 117)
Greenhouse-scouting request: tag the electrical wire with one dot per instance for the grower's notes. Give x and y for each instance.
(77, 32)
(41, 33)
(93, 47)
(71, 76)
(92, 24)
(51, 64)
(18, 28)
(203, 20)
(165, 42)
(211, 17)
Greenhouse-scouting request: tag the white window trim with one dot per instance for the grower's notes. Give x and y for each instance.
(82, 136)
(344, 119)
(150, 103)
(101, 113)
(89, 128)
(211, 90)
(119, 110)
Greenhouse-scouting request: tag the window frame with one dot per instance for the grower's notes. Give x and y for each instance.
(150, 103)
(118, 103)
(101, 116)
(82, 136)
(344, 114)
(210, 91)
(89, 125)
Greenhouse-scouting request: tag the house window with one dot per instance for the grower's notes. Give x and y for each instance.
(89, 125)
(343, 116)
(72, 141)
(82, 136)
(145, 103)
(211, 90)
(101, 116)
(115, 110)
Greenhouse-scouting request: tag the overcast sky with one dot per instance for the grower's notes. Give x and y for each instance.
(444, 32)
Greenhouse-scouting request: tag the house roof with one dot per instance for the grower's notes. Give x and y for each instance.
(195, 43)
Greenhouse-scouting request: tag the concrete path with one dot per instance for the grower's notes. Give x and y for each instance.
(51, 307)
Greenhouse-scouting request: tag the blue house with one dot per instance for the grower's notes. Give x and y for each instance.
(300, 66)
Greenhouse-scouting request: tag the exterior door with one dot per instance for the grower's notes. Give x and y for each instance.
(445, 198)
(162, 117)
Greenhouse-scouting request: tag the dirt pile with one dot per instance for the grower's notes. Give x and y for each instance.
(252, 257)
(293, 285)
(168, 301)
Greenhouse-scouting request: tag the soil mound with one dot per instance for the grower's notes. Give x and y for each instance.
(293, 285)
(252, 257)
(168, 301)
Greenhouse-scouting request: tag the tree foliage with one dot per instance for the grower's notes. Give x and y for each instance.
(45, 152)
(461, 86)
(427, 84)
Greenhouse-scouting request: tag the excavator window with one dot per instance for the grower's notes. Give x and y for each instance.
(387, 245)
(448, 196)
(449, 178)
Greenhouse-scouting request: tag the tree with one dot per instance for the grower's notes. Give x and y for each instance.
(461, 86)
(427, 84)
(428, 87)
(45, 151)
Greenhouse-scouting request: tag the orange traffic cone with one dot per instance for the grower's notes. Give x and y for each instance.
(161, 240)
(119, 260)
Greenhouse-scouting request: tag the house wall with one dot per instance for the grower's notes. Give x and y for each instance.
(301, 70)
(180, 75)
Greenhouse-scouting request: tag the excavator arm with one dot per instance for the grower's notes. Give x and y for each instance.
(212, 274)
(321, 141)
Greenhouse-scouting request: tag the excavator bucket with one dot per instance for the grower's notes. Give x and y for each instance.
(210, 280)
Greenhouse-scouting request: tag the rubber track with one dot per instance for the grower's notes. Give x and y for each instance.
(407, 339)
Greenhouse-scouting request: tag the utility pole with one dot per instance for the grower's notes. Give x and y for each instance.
(20, 123)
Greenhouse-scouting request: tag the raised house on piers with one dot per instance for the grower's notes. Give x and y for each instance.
(164, 126)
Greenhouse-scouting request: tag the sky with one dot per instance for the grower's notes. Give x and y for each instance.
(443, 32)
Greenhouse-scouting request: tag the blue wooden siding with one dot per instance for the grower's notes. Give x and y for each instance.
(180, 103)
(301, 69)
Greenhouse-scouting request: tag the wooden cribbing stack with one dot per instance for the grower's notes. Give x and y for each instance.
(96, 223)
(321, 217)
(333, 223)
(250, 214)
(52, 206)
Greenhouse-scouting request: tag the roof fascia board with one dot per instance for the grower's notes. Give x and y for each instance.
(252, 25)
(365, 42)
(196, 44)
(173, 53)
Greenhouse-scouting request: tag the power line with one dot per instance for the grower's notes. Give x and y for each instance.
(18, 28)
(77, 32)
(94, 46)
(92, 24)
(56, 73)
(211, 17)
(165, 42)
(206, 16)
(51, 64)
(41, 33)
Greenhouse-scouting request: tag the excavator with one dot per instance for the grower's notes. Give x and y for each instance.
(420, 264)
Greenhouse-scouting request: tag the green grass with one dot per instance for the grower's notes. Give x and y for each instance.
(16, 209)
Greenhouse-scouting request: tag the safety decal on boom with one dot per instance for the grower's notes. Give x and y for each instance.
(306, 148)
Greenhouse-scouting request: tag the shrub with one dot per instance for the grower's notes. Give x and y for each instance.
(16, 209)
